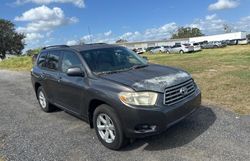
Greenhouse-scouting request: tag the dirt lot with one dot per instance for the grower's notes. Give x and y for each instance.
(27, 133)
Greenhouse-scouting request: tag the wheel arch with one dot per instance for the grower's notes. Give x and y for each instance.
(93, 104)
(37, 85)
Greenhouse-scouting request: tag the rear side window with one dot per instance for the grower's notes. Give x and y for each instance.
(42, 60)
(53, 60)
(70, 59)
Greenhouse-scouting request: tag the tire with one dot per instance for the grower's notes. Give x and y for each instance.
(43, 101)
(181, 52)
(167, 52)
(115, 137)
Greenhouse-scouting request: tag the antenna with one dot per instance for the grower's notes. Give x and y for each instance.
(90, 37)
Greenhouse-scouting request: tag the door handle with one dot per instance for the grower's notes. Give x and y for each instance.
(59, 79)
(42, 75)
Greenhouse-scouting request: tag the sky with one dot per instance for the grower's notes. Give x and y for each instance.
(50, 22)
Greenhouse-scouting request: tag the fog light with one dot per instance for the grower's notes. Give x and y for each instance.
(145, 128)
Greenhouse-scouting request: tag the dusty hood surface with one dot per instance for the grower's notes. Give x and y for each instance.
(153, 78)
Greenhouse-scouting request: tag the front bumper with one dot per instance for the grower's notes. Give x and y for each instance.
(158, 118)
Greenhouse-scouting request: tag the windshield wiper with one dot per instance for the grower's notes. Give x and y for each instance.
(139, 66)
(111, 72)
(122, 70)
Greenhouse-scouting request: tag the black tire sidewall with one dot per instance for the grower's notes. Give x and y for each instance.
(119, 136)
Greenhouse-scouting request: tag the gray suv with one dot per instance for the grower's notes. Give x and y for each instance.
(113, 89)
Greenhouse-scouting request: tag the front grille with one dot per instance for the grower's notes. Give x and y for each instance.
(179, 92)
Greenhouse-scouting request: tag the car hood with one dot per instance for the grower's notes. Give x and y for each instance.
(150, 78)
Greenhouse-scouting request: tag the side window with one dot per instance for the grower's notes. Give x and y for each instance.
(70, 59)
(41, 62)
(53, 60)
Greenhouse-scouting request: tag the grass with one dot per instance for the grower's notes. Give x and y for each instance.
(222, 74)
(21, 63)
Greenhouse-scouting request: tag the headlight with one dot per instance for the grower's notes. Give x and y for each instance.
(138, 98)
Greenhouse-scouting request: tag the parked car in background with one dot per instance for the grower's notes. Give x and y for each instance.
(233, 42)
(181, 48)
(196, 46)
(210, 45)
(243, 42)
(139, 50)
(160, 49)
(218, 44)
(149, 48)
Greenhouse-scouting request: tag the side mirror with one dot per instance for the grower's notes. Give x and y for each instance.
(75, 72)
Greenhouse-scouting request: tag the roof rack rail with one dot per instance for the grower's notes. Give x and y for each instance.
(54, 46)
(96, 43)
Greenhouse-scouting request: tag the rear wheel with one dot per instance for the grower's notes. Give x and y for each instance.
(43, 101)
(181, 52)
(108, 127)
(167, 52)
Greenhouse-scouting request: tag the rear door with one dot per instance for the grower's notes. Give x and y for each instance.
(52, 74)
(71, 89)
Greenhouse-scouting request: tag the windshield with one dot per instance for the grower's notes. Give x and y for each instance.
(109, 60)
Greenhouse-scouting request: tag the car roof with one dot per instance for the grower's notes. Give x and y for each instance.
(83, 47)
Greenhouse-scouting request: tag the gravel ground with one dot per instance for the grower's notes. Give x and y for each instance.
(27, 133)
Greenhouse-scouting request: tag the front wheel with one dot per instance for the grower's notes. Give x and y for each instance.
(108, 127)
(181, 52)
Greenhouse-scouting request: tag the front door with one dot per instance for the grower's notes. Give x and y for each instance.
(71, 89)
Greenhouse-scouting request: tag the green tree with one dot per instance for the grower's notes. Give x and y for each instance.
(11, 42)
(121, 41)
(187, 32)
(32, 52)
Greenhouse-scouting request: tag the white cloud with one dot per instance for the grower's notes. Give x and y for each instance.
(210, 25)
(71, 42)
(243, 24)
(78, 3)
(108, 33)
(130, 35)
(43, 19)
(41, 13)
(33, 36)
(224, 4)
(211, 17)
(163, 32)
(87, 38)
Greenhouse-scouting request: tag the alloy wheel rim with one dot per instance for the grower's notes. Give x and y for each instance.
(106, 128)
(42, 99)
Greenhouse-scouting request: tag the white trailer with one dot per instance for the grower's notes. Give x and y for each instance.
(220, 37)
